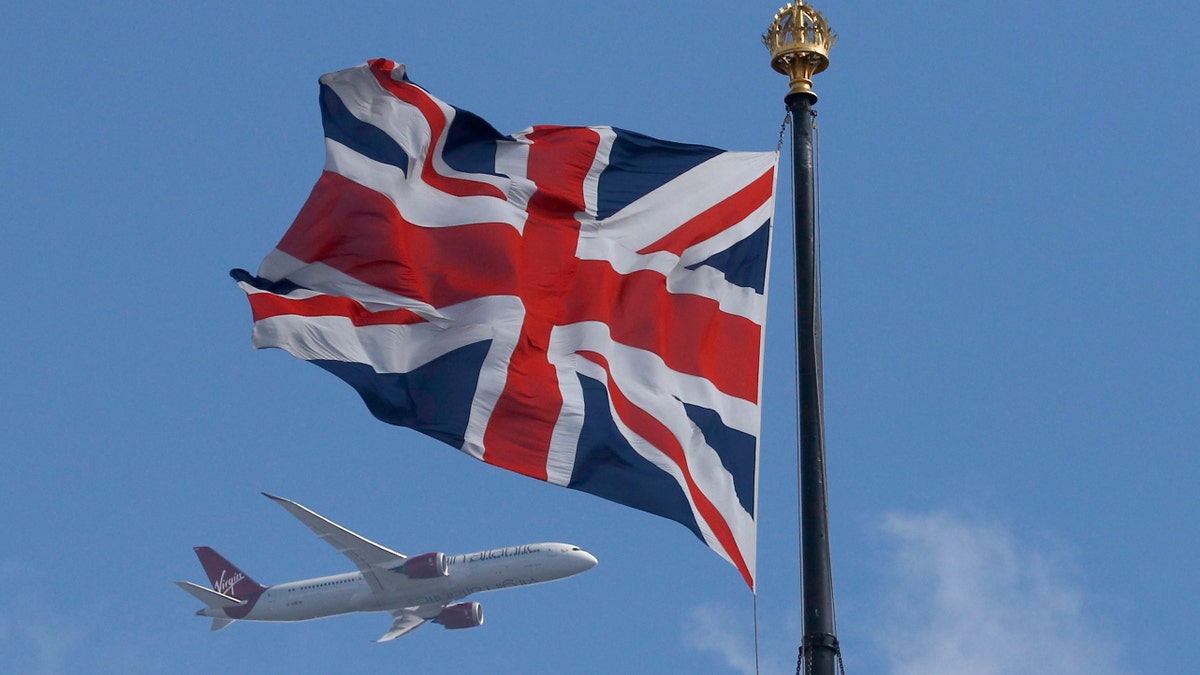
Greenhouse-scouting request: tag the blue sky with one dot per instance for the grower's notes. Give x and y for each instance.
(1010, 242)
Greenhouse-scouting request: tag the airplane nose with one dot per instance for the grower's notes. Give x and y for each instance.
(586, 560)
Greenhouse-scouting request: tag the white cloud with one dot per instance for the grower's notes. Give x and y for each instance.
(40, 635)
(35, 640)
(709, 629)
(32, 639)
(969, 598)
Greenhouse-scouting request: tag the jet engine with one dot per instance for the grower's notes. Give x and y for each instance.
(462, 615)
(427, 566)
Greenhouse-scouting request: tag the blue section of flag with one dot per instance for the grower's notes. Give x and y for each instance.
(745, 263)
(607, 466)
(738, 451)
(281, 287)
(434, 399)
(365, 139)
(470, 145)
(639, 165)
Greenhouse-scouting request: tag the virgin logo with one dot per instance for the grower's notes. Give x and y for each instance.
(225, 586)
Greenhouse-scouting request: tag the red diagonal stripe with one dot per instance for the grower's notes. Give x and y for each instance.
(718, 218)
(689, 332)
(657, 434)
(358, 231)
(414, 95)
(267, 305)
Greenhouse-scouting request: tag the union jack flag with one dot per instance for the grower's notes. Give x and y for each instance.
(583, 305)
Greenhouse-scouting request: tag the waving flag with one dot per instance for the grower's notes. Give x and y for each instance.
(583, 305)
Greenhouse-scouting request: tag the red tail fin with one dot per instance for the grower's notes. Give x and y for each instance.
(226, 577)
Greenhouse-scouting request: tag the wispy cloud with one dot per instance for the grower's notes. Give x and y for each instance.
(709, 629)
(32, 638)
(954, 597)
(970, 598)
(44, 631)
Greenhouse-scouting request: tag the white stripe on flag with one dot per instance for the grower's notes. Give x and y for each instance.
(704, 465)
(327, 280)
(646, 370)
(416, 201)
(703, 281)
(659, 213)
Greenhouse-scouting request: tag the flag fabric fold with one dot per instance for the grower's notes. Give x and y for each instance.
(583, 305)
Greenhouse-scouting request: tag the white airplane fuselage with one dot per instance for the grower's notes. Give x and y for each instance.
(468, 573)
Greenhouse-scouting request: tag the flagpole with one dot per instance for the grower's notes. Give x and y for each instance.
(799, 39)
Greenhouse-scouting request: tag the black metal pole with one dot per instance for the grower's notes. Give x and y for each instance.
(819, 645)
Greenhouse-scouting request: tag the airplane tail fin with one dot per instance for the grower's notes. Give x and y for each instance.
(226, 578)
(211, 598)
(212, 601)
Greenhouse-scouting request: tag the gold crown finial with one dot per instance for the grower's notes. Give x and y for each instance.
(799, 40)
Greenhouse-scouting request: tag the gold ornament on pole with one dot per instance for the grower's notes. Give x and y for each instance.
(799, 40)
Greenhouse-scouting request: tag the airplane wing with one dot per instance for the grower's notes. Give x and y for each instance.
(368, 556)
(408, 619)
(404, 624)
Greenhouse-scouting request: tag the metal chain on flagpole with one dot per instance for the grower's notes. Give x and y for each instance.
(800, 656)
(796, 348)
(787, 119)
(816, 137)
(800, 661)
(818, 319)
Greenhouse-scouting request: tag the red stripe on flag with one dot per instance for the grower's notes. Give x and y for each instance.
(718, 218)
(522, 423)
(359, 232)
(657, 434)
(690, 332)
(267, 305)
(417, 97)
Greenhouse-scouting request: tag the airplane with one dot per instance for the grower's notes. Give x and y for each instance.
(414, 589)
